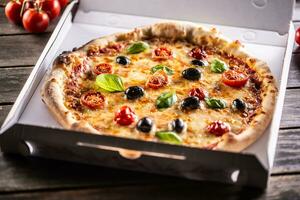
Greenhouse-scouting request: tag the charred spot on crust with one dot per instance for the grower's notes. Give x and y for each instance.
(63, 58)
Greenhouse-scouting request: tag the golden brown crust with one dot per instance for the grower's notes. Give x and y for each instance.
(52, 92)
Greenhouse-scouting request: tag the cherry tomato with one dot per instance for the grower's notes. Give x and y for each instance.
(198, 92)
(51, 7)
(35, 20)
(93, 100)
(198, 53)
(234, 79)
(218, 128)
(63, 3)
(157, 80)
(297, 36)
(125, 116)
(162, 53)
(13, 12)
(103, 68)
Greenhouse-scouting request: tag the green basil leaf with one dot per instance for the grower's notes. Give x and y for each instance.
(218, 66)
(137, 47)
(215, 103)
(162, 67)
(169, 137)
(110, 82)
(166, 100)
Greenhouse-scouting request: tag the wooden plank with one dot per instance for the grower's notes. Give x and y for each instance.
(282, 187)
(294, 73)
(20, 50)
(8, 28)
(291, 109)
(3, 113)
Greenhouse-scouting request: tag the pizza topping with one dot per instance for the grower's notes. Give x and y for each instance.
(103, 68)
(178, 125)
(238, 104)
(125, 116)
(157, 80)
(162, 53)
(191, 74)
(198, 92)
(198, 53)
(169, 137)
(111, 49)
(134, 92)
(234, 79)
(218, 66)
(110, 82)
(215, 103)
(166, 100)
(218, 128)
(144, 125)
(122, 60)
(93, 100)
(64, 59)
(137, 47)
(190, 103)
(166, 69)
(199, 63)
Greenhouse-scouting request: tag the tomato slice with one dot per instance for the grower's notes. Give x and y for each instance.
(234, 79)
(198, 92)
(125, 116)
(93, 100)
(157, 80)
(218, 128)
(162, 53)
(103, 68)
(198, 53)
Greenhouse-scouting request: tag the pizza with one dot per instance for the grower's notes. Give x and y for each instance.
(171, 82)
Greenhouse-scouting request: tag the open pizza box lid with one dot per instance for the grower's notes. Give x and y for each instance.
(264, 26)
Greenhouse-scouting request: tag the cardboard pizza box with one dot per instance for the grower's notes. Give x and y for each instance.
(264, 27)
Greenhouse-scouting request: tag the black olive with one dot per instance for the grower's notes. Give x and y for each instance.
(199, 63)
(122, 60)
(178, 125)
(192, 74)
(239, 104)
(190, 103)
(144, 125)
(134, 92)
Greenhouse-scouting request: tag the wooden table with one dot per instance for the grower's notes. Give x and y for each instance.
(23, 178)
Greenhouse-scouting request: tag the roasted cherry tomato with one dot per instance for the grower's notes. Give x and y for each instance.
(63, 3)
(198, 53)
(125, 116)
(218, 128)
(157, 80)
(234, 79)
(103, 68)
(13, 12)
(35, 20)
(198, 92)
(162, 53)
(51, 7)
(93, 100)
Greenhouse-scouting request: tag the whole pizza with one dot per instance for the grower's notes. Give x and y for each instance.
(178, 83)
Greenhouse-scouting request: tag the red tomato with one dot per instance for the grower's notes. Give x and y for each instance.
(297, 36)
(13, 12)
(198, 53)
(35, 20)
(162, 53)
(125, 116)
(93, 100)
(63, 3)
(218, 128)
(51, 7)
(234, 79)
(198, 92)
(103, 68)
(157, 80)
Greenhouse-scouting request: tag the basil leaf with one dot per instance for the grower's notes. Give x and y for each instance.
(162, 67)
(218, 66)
(137, 47)
(166, 100)
(169, 137)
(215, 103)
(110, 82)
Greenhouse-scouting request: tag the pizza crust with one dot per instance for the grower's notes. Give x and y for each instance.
(52, 91)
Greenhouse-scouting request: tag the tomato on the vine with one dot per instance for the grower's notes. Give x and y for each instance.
(63, 3)
(13, 11)
(35, 20)
(51, 7)
(297, 36)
